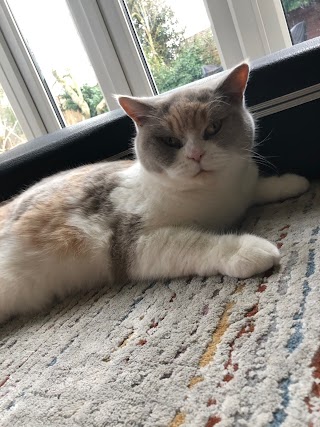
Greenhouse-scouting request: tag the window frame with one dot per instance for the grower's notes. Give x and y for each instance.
(22, 70)
(127, 48)
(95, 37)
(238, 41)
(18, 94)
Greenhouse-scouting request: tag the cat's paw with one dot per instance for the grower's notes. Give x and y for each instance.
(293, 185)
(254, 255)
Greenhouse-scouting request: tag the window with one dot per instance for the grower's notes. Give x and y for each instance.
(63, 63)
(60, 58)
(11, 133)
(176, 40)
(303, 18)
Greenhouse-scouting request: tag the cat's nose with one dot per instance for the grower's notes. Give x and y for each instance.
(195, 154)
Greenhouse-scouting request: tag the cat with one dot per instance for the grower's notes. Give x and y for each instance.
(162, 215)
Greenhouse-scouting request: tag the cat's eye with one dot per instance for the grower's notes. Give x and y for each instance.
(212, 129)
(170, 141)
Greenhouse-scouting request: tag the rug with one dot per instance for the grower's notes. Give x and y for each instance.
(201, 352)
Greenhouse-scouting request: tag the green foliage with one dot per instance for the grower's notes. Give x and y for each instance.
(68, 104)
(6, 113)
(156, 27)
(290, 5)
(11, 133)
(8, 116)
(91, 94)
(173, 60)
(187, 67)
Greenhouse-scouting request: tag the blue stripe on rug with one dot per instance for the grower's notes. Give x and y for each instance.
(280, 414)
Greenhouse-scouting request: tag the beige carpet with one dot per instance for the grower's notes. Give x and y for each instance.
(198, 352)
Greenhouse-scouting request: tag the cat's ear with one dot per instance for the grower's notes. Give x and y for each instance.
(235, 83)
(136, 108)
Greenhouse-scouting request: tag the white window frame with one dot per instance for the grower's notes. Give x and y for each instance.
(18, 94)
(94, 32)
(44, 117)
(134, 68)
(115, 54)
(106, 33)
(247, 29)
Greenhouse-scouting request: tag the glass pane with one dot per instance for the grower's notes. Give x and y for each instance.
(54, 43)
(303, 18)
(176, 39)
(11, 133)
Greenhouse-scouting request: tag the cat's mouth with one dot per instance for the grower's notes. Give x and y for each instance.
(203, 172)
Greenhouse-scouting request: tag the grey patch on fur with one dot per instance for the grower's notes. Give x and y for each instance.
(96, 198)
(164, 108)
(152, 152)
(98, 187)
(126, 230)
(203, 96)
(125, 227)
(236, 133)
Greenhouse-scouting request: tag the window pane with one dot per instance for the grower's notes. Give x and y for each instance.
(11, 133)
(176, 39)
(303, 18)
(56, 48)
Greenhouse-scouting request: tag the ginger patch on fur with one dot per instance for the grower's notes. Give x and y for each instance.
(45, 226)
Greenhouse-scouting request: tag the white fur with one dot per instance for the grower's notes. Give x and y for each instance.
(29, 278)
(215, 202)
(277, 188)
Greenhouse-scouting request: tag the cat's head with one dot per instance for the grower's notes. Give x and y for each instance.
(195, 130)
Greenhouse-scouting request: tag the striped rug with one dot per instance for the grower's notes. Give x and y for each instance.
(199, 352)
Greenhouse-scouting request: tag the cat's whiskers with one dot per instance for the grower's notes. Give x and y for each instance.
(259, 159)
(257, 144)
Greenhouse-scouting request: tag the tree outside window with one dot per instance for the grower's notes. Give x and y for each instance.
(173, 58)
(11, 133)
(76, 102)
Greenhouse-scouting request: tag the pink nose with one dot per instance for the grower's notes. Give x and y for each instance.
(195, 155)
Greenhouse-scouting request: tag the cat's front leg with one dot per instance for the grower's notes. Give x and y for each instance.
(278, 188)
(177, 252)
